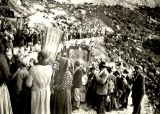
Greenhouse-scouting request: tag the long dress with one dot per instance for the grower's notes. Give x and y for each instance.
(39, 80)
(91, 91)
(62, 96)
(5, 103)
(62, 89)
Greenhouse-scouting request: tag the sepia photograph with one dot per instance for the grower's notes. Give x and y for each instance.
(79, 56)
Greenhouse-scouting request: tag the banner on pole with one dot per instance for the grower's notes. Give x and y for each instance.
(52, 41)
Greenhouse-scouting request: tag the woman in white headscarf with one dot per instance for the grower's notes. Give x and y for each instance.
(62, 88)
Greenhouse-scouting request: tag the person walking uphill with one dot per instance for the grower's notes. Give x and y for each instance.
(61, 101)
(39, 80)
(77, 81)
(138, 89)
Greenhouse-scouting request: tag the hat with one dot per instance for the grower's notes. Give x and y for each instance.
(102, 64)
(92, 68)
(138, 67)
(77, 63)
(118, 72)
(26, 31)
(125, 71)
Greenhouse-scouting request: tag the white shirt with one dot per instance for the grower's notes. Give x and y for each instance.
(84, 79)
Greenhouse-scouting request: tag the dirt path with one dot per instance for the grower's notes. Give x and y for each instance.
(146, 109)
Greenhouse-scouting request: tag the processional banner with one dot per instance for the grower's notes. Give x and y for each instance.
(52, 41)
(78, 53)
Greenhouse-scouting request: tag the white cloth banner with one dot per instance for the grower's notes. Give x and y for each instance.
(52, 40)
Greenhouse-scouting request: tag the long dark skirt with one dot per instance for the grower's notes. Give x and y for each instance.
(91, 95)
(61, 102)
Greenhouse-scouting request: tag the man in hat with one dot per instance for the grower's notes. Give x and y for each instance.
(101, 87)
(138, 89)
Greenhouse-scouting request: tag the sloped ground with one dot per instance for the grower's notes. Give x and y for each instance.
(142, 21)
(146, 108)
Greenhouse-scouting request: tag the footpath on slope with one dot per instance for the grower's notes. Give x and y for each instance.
(146, 108)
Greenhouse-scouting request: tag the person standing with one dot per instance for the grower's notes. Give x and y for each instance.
(14, 68)
(118, 88)
(91, 92)
(83, 86)
(112, 105)
(61, 100)
(101, 87)
(77, 81)
(39, 80)
(138, 89)
(22, 98)
(5, 103)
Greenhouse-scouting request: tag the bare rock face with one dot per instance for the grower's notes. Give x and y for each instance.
(126, 3)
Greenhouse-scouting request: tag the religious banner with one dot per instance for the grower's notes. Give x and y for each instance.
(79, 53)
(52, 41)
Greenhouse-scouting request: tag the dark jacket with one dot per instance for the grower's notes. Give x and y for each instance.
(4, 69)
(77, 78)
(138, 88)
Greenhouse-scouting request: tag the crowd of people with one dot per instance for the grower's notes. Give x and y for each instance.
(77, 29)
(44, 87)
(60, 87)
(21, 35)
(16, 36)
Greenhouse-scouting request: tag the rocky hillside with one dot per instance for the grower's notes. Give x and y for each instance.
(136, 32)
(126, 3)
